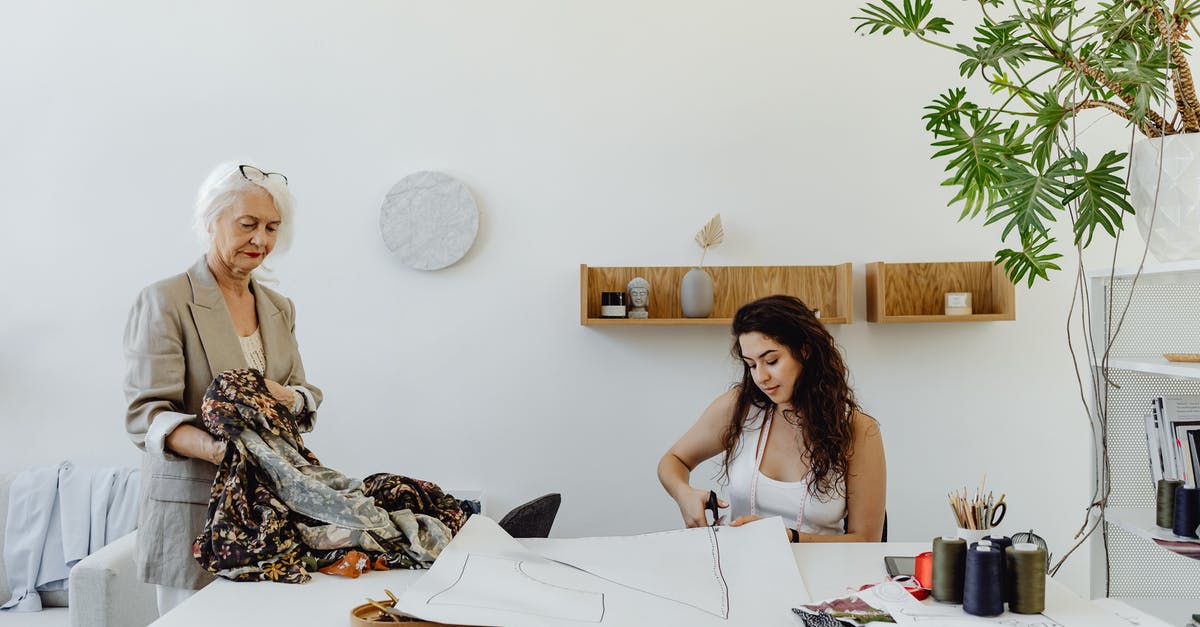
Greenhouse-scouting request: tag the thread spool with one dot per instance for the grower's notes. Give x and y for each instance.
(1002, 543)
(1165, 503)
(949, 566)
(1187, 511)
(983, 588)
(1026, 567)
(923, 569)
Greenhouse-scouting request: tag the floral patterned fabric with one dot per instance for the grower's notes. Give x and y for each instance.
(276, 514)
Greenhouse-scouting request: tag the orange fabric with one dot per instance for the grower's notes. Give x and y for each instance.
(351, 565)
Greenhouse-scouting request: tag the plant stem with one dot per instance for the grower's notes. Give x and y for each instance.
(1185, 90)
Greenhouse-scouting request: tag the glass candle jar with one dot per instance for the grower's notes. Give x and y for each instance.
(612, 304)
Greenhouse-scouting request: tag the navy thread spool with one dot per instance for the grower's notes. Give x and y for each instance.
(1187, 511)
(1002, 543)
(1165, 503)
(1026, 567)
(983, 592)
(949, 555)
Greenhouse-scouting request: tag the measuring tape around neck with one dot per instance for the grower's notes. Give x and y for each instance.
(763, 437)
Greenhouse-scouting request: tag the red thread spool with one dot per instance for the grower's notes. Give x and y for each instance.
(923, 571)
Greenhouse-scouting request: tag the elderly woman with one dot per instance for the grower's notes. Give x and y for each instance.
(188, 328)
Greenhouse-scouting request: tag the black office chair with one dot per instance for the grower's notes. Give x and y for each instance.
(533, 519)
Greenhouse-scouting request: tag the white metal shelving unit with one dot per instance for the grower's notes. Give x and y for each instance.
(1163, 317)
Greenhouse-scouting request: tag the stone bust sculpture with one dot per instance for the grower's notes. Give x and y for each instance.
(639, 297)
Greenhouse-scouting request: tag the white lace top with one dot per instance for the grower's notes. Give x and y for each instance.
(252, 348)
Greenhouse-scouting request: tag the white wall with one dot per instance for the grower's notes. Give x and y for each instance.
(604, 133)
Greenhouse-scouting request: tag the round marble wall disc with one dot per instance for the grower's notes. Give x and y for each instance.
(429, 219)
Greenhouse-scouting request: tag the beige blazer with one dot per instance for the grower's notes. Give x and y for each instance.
(178, 338)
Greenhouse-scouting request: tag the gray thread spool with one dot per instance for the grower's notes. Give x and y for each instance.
(1165, 504)
(1026, 567)
(949, 568)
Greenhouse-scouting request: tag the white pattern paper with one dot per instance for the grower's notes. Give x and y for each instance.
(706, 576)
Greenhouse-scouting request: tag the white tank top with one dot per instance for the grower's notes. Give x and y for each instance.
(822, 514)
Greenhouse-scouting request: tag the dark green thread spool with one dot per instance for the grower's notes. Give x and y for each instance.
(1165, 510)
(1026, 578)
(949, 567)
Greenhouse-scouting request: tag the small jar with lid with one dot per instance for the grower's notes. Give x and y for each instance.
(612, 305)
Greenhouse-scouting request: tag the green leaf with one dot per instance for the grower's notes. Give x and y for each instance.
(1140, 73)
(1031, 197)
(1031, 261)
(997, 47)
(1051, 120)
(1186, 10)
(946, 111)
(976, 157)
(910, 20)
(1047, 16)
(1101, 193)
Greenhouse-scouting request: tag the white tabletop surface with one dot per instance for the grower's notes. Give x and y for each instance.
(829, 570)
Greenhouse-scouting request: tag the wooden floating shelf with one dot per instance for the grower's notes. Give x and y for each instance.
(915, 292)
(820, 287)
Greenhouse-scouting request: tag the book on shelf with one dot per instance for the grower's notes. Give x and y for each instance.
(1169, 428)
(1154, 448)
(1183, 450)
(1194, 446)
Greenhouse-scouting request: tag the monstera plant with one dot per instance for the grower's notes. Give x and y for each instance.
(1036, 66)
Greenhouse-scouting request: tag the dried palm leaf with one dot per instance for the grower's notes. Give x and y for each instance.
(711, 235)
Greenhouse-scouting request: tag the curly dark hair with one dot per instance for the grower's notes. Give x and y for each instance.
(823, 404)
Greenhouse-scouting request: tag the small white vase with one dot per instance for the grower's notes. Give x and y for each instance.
(1175, 234)
(696, 294)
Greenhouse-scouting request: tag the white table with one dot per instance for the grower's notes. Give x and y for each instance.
(829, 570)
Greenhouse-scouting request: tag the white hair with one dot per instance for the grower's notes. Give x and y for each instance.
(221, 189)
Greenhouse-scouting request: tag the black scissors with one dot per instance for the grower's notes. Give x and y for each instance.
(712, 505)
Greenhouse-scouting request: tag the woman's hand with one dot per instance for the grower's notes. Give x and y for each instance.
(284, 395)
(692, 506)
(216, 451)
(191, 441)
(741, 520)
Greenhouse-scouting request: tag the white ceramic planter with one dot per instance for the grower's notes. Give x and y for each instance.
(1175, 234)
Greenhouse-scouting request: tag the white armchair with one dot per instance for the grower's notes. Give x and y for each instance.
(105, 591)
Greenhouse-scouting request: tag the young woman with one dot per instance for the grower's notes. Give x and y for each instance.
(794, 442)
